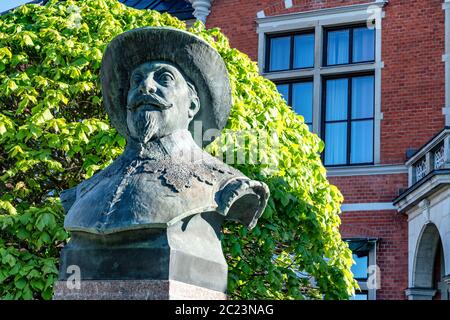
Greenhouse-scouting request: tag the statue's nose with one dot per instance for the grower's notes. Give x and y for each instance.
(147, 86)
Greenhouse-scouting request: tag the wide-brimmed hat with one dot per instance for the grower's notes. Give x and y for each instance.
(197, 60)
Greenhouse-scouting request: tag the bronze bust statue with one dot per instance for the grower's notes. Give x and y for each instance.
(157, 210)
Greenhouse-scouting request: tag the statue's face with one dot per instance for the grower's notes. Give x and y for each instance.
(160, 101)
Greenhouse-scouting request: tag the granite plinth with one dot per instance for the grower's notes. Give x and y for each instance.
(134, 290)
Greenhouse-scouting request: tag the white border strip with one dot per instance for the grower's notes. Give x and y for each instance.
(446, 60)
(367, 170)
(371, 206)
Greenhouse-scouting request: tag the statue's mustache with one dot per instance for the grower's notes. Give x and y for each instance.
(148, 99)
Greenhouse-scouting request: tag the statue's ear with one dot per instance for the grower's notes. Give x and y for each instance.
(194, 107)
(195, 101)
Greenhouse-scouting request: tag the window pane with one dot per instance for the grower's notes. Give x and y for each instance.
(360, 296)
(280, 53)
(362, 142)
(302, 99)
(335, 143)
(304, 51)
(363, 44)
(337, 47)
(284, 90)
(362, 97)
(337, 99)
(359, 269)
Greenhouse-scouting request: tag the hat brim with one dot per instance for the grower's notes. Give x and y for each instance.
(200, 62)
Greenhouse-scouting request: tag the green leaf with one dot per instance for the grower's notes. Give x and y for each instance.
(8, 207)
(2, 129)
(11, 85)
(27, 40)
(21, 283)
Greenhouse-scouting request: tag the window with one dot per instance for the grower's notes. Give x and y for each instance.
(299, 95)
(359, 269)
(349, 45)
(348, 120)
(360, 273)
(336, 85)
(288, 52)
(364, 256)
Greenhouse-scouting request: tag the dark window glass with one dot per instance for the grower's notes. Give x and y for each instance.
(299, 95)
(284, 90)
(362, 97)
(337, 47)
(361, 142)
(302, 100)
(304, 51)
(363, 44)
(360, 296)
(359, 269)
(280, 53)
(349, 45)
(337, 100)
(294, 51)
(348, 120)
(336, 143)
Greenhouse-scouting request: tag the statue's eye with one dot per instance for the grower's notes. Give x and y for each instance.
(166, 78)
(136, 79)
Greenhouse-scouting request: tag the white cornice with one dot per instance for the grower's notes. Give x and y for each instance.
(366, 170)
(365, 8)
(370, 206)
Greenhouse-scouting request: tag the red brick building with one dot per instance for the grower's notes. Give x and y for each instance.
(373, 77)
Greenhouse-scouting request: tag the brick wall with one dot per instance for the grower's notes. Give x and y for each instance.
(374, 188)
(392, 249)
(412, 102)
(413, 76)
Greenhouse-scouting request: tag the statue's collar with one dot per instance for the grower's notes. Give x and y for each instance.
(178, 144)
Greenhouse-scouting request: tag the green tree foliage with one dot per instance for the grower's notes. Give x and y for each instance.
(54, 133)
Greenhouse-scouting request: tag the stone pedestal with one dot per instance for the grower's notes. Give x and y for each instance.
(134, 290)
(148, 264)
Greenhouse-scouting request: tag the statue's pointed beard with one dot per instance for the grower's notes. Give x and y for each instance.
(144, 126)
(151, 126)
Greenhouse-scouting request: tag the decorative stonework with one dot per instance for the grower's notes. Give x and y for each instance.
(439, 157)
(421, 169)
(201, 9)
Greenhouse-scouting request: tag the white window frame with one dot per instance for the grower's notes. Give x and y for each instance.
(317, 21)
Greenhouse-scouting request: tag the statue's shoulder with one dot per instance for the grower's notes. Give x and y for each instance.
(222, 170)
(238, 197)
(69, 196)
